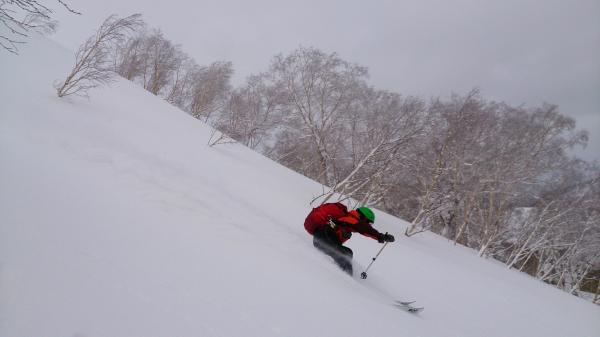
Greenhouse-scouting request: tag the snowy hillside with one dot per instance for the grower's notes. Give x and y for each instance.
(116, 220)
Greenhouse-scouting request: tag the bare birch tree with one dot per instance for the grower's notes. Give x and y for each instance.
(182, 84)
(434, 171)
(252, 112)
(381, 128)
(93, 66)
(129, 56)
(210, 89)
(320, 90)
(161, 59)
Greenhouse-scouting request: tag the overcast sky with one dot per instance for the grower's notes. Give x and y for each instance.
(521, 52)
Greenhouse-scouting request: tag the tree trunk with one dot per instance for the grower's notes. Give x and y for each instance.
(597, 295)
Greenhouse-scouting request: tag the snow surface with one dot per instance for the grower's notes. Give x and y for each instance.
(116, 220)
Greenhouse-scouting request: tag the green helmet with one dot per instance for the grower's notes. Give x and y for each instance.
(367, 213)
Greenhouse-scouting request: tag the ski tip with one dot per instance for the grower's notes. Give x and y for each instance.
(405, 302)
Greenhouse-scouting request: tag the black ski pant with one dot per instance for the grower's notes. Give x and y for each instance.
(325, 240)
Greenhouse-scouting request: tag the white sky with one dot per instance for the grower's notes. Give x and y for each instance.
(522, 52)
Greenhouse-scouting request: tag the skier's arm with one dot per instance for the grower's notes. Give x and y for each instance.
(362, 228)
(368, 230)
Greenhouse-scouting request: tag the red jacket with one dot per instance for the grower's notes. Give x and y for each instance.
(345, 222)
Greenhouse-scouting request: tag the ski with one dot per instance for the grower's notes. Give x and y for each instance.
(407, 306)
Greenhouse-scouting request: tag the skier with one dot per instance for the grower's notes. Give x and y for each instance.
(331, 225)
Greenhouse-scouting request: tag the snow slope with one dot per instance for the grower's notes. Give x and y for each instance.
(116, 220)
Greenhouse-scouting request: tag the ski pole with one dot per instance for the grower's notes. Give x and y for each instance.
(363, 275)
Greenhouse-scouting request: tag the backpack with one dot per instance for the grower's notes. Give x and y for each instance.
(319, 216)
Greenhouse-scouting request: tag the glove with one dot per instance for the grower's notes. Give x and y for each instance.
(386, 238)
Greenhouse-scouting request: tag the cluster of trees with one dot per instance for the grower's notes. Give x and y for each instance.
(487, 175)
(162, 68)
(501, 180)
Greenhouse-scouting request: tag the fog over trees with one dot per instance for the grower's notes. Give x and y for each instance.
(494, 177)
